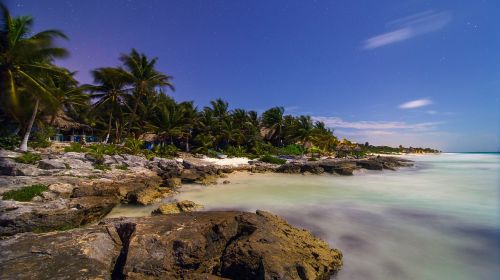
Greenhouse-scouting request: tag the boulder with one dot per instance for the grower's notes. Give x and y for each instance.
(199, 245)
(77, 254)
(177, 207)
(172, 182)
(62, 189)
(338, 167)
(291, 168)
(51, 164)
(370, 164)
(9, 167)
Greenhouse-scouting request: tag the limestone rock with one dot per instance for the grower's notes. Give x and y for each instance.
(51, 164)
(177, 207)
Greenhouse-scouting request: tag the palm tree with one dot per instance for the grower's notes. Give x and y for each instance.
(26, 60)
(109, 89)
(272, 119)
(168, 120)
(144, 78)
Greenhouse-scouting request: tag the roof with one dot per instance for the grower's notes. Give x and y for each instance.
(64, 122)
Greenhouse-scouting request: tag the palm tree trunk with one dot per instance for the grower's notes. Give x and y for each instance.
(134, 112)
(24, 143)
(109, 128)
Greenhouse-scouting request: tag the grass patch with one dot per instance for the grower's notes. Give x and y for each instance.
(26, 193)
(271, 159)
(122, 167)
(101, 166)
(28, 158)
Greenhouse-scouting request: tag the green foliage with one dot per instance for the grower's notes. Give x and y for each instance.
(28, 158)
(112, 149)
(122, 167)
(263, 148)
(97, 151)
(41, 137)
(271, 159)
(292, 150)
(75, 147)
(236, 151)
(10, 142)
(26, 193)
(101, 166)
(167, 151)
(133, 146)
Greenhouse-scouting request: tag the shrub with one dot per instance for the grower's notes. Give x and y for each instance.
(265, 149)
(97, 152)
(26, 193)
(292, 149)
(41, 137)
(168, 151)
(134, 146)
(236, 151)
(10, 142)
(28, 158)
(271, 159)
(75, 147)
(112, 149)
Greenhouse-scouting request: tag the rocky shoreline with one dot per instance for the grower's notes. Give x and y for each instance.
(80, 195)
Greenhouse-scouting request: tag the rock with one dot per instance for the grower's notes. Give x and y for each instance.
(63, 189)
(226, 182)
(78, 254)
(49, 195)
(208, 180)
(199, 245)
(172, 182)
(313, 168)
(232, 245)
(9, 154)
(134, 161)
(338, 167)
(54, 214)
(51, 164)
(191, 175)
(177, 207)
(11, 168)
(74, 155)
(291, 168)
(145, 196)
(370, 164)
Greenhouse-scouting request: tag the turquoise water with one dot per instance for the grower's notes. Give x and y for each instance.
(437, 220)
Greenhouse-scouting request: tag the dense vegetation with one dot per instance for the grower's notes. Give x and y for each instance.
(129, 103)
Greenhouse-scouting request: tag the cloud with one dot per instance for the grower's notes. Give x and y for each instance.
(415, 104)
(335, 122)
(409, 27)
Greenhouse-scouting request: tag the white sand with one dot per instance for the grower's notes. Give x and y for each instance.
(236, 161)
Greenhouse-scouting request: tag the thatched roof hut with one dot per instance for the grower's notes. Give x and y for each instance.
(64, 122)
(149, 137)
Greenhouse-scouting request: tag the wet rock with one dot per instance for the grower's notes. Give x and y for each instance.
(172, 182)
(291, 168)
(338, 167)
(177, 207)
(370, 164)
(312, 168)
(208, 180)
(226, 182)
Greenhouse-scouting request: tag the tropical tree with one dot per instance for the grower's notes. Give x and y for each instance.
(144, 78)
(272, 119)
(109, 91)
(26, 60)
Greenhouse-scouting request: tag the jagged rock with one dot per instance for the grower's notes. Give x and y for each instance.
(370, 164)
(208, 180)
(200, 245)
(145, 196)
(291, 168)
(11, 168)
(177, 207)
(191, 175)
(53, 214)
(51, 164)
(78, 254)
(341, 168)
(172, 182)
(312, 168)
(134, 161)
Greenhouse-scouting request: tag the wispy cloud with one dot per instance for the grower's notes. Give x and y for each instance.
(409, 27)
(335, 122)
(415, 104)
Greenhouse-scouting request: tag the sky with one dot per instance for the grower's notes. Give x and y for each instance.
(416, 73)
